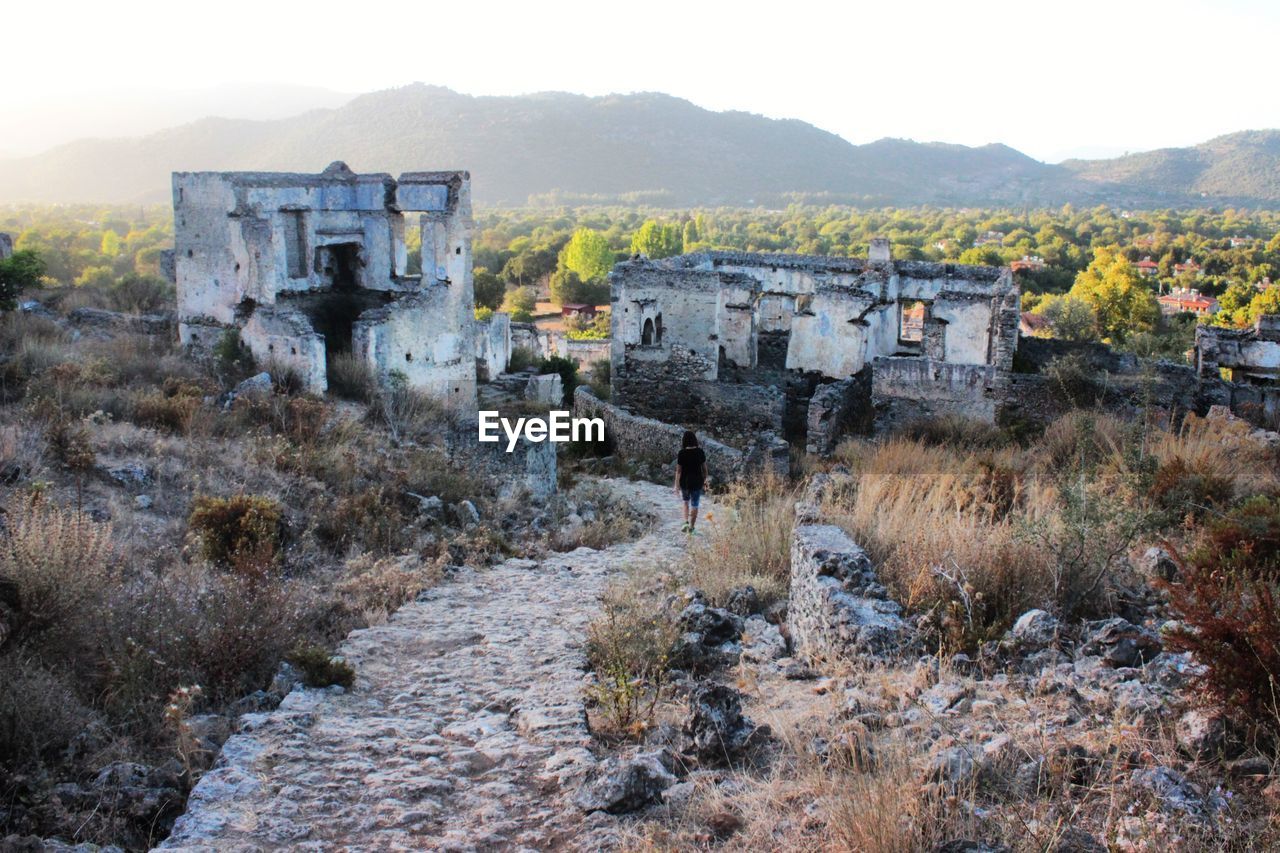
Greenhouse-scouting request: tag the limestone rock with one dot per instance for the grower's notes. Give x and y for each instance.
(1034, 630)
(715, 731)
(1173, 790)
(761, 641)
(1120, 643)
(257, 384)
(1201, 733)
(622, 785)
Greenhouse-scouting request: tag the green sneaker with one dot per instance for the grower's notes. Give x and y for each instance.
(685, 528)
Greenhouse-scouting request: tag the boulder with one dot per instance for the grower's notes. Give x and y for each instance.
(621, 785)
(257, 384)
(762, 642)
(1201, 733)
(1120, 643)
(132, 476)
(1174, 791)
(1034, 630)
(743, 601)
(1157, 563)
(953, 766)
(466, 513)
(715, 731)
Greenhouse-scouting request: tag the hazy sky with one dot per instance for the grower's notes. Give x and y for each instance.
(1052, 79)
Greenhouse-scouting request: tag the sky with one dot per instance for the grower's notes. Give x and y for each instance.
(1052, 79)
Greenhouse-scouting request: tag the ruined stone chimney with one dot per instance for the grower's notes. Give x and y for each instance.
(879, 253)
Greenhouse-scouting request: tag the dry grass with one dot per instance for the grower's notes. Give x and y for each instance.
(746, 539)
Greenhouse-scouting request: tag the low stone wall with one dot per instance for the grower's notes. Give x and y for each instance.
(647, 440)
(531, 465)
(911, 389)
(586, 353)
(837, 409)
(838, 609)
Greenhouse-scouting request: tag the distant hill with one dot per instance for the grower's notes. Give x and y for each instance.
(645, 147)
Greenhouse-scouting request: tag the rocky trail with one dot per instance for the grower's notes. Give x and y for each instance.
(465, 729)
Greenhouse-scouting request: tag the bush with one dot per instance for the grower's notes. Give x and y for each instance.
(141, 294)
(568, 370)
(242, 533)
(373, 519)
(1228, 597)
(630, 651)
(39, 713)
(521, 357)
(173, 413)
(60, 561)
(351, 378)
(1074, 378)
(319, 669)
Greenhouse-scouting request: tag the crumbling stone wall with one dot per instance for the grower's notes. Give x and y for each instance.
(493, 346)
(910, 389)
(308, 265)
(650, 440)
(838, 609)
(838, 409)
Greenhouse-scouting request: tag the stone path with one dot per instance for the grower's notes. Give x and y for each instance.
(465, 729)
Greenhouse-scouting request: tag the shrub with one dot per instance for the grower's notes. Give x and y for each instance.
(373, 519)
(568, 370)
(955, 431)
(1228, 597)
(351, 378)
(1189, 489)
(60, 561)
(172, 412)
(376, 588)
(141, 294)
(405, 411)
(629, 650)
(1074, 378)
(521, 357)
(231, 357)
(319, 669)
(39, 713)
(242, 533)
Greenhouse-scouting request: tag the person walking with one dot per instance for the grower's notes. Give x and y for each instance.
(691, 478)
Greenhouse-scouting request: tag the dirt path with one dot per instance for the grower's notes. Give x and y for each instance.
(465, 729)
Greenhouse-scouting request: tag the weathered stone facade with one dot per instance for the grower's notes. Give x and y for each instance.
(653, 441)
(740, 343)
(308, 266)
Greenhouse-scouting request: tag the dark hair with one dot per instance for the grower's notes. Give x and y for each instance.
(689, 440)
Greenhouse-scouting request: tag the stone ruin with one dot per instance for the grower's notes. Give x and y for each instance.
(753, 347)
(6, 245)
(805, 347)
(308, 267)
(1248, 358)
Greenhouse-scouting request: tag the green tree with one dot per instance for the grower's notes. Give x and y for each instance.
(520, 303)
(1120, 300)
(588, 254)
(1070, 318)
(489, 289)
(655, 240)
(23, 270)
(110, 243)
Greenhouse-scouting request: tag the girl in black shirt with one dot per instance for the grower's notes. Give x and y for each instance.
(691, 477)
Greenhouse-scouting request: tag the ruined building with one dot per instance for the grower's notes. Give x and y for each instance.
(1249, 360)
(310, 267)
(6, 245)
(809, 347)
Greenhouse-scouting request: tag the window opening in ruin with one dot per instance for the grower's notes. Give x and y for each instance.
(657, 328)
(295, 243)
(647, 333)
(333, 312)
(911, 318)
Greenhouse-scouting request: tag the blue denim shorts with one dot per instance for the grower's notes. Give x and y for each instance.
(691, 496)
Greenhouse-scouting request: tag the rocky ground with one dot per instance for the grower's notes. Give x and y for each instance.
(465, 728)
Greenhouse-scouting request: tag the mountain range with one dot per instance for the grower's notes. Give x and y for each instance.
(646, 148)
